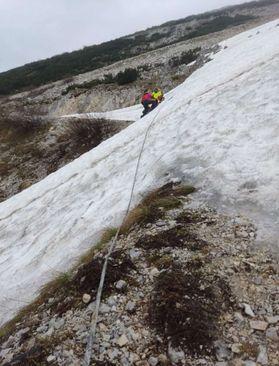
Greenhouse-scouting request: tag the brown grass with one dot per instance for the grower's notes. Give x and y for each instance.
(154, 205)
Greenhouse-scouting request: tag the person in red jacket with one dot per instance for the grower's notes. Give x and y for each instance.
(148, 102)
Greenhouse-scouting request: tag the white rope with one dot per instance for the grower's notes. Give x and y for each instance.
(94, 320)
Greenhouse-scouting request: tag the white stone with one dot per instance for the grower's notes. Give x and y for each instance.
(248, 310)
(175, 355)
(130, 307)
(153, 361)
(122, 341)
(51, 358)
(272, 319)
(236, 348)
(86, 298)
(121, 285)
(272, 334)
(262, 357)
(258, 325)
(154, 272)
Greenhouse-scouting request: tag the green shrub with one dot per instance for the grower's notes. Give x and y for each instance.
(127, 76)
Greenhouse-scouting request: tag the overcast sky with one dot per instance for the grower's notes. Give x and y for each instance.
(34, 29)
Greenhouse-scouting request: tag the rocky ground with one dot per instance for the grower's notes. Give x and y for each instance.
(184, 286)
(32, 148)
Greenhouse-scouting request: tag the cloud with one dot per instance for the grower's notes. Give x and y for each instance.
(36, 29)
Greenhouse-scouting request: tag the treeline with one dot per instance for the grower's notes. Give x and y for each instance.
(123, 77)
(90, 58)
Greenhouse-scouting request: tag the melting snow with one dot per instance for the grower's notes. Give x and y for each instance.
(219, 131)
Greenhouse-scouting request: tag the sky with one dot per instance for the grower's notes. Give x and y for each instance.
(35, 29)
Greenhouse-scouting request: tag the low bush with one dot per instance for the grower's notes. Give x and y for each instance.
(127, 76)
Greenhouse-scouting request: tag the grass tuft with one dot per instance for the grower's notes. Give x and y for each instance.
(154, 205)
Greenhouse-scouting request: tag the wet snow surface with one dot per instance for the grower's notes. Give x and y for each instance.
(219, 131)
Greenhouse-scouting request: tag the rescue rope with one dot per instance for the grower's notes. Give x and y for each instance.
(94, 319)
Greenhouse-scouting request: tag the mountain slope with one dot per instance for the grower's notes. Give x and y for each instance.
(217, 131)
(94, 57)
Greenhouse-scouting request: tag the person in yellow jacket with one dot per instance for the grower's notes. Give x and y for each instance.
(158, 95)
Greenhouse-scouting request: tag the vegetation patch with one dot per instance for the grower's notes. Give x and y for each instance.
(87, 278)
(185, 308)
(123, 77)
(185, 58)
(155, 204)
(177, 237)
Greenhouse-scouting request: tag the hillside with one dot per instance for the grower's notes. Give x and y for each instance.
(209, 132)
(98, 56)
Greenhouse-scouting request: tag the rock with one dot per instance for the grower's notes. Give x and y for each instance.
(91, 307)
(262, 356)
(49, 333)
(242, 234)
(249, 363)
(258, 325)
(175, 356)
(248, 310)
(154, 273)
(86, 298)
(257, 280)
(130, 307)
(5, 352)
(104, 309)
(153, 361)
(112, 301)
(59, 323)
(135, 254)
(163, 359)
(236, 348)
(223, 352)
(236, 362)
(122, 341)
(121, 285)
(9, 343)
(222, 363)
(22, 332)
(238, 318)
(113, 353)
(272, 334)
(161, 223)
(51, 358)
(51, 300)
(272, 319)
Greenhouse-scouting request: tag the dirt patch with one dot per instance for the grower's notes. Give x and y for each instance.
(177, 237)
(185, 308)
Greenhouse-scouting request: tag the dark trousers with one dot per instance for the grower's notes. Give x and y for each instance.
(149, 105)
